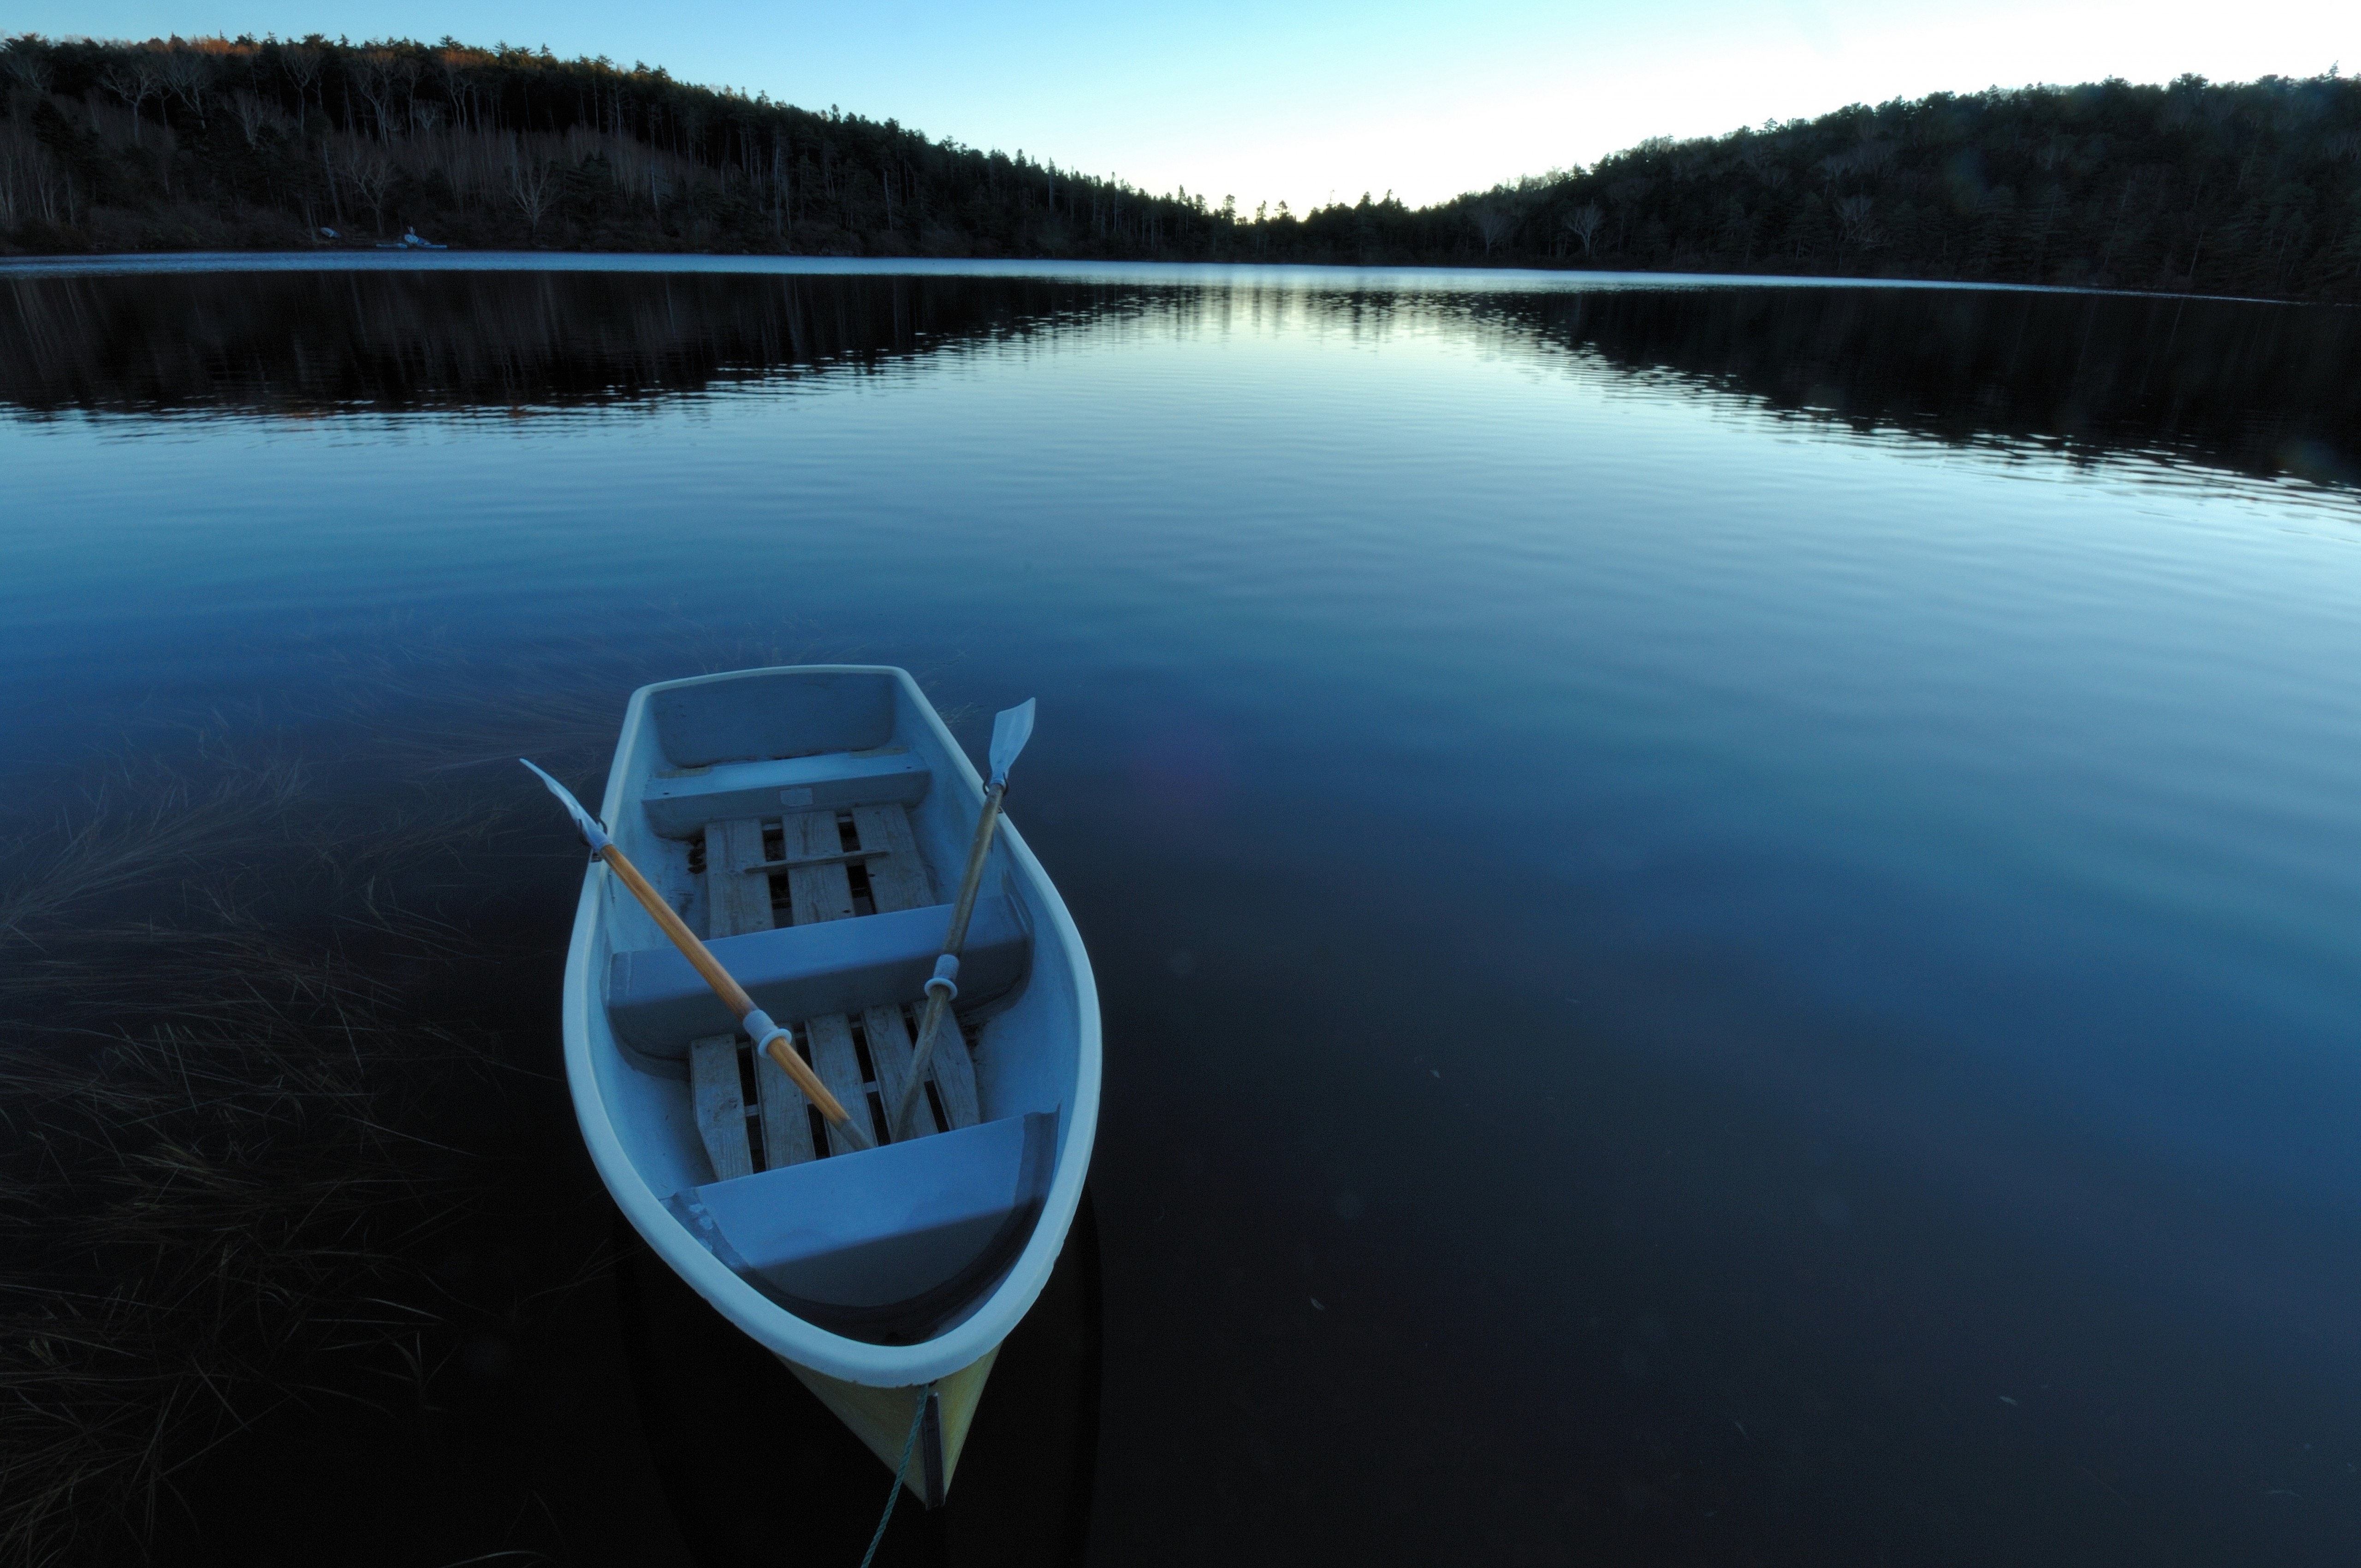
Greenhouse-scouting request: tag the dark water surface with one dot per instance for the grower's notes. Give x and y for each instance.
(1726, 915)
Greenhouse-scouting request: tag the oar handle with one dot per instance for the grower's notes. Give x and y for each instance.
(733, 995)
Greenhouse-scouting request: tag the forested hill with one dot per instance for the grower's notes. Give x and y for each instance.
(231, 143)
(2243, 189)
(2246, 189)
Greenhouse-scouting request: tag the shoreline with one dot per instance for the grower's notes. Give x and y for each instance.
(1514, 279)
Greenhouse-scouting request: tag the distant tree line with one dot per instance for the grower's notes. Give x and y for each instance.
(179, 144)
(2243, 189)
(2250, 189)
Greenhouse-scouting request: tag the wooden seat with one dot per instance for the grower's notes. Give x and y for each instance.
(802, 869)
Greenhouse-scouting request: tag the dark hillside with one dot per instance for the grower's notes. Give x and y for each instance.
(2246, 189)
(218, 143)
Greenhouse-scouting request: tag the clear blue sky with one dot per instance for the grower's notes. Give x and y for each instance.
(1299, 102)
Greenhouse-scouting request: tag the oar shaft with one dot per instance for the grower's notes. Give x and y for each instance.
(938, 1004)
(733, 995)
(955, 939)
(939, 999)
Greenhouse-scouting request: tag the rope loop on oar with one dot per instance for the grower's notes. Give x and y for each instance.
(946, 977)
(909, 1446)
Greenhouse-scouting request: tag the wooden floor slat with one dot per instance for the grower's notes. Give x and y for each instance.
(720, 1105)
(891, 1048)
(833, 1057)
(787, 1117)
(738, 900)
(817, 892)
(739, 896)
(954, 1074)
(897, 879)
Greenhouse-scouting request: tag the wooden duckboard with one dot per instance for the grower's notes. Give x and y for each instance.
(811, 878)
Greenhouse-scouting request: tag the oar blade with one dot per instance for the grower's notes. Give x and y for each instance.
(592, 834)
(1011, 728)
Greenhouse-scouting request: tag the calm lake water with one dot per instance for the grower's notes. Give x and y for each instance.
(1727, 913)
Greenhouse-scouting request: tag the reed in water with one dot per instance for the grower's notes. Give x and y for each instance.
(241, 1079)
(212, 1172)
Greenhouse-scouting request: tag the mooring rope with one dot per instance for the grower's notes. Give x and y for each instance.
(909, 1446)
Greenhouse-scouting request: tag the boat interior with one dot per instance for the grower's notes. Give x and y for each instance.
(805, 869)
(800, 821)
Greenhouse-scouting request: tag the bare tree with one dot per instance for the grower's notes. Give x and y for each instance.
(24, 68)
(254, 115)
(406, 70)
(373, 78)
(1857, 225)
(247, 110)
(302, 62)
(135, 80)
(185, 74)
(1495, 220)
(1583, 223)
(533, 182)
(371, 175)
(456, 69)
(18, 151)
(328, 168)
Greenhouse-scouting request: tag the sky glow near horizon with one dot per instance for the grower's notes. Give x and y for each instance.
(1324, 100)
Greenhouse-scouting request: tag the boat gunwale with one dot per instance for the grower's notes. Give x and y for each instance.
(771, 1326)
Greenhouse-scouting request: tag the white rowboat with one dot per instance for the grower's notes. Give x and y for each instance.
(811, 822)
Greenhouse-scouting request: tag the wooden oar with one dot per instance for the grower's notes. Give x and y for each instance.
(768, 1037)
(1010, 730)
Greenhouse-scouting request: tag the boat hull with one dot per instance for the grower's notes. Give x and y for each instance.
(1035, 1048)
(882, 1418)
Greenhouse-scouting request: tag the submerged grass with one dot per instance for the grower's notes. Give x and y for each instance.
(235, 1036)
(212, 1103)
